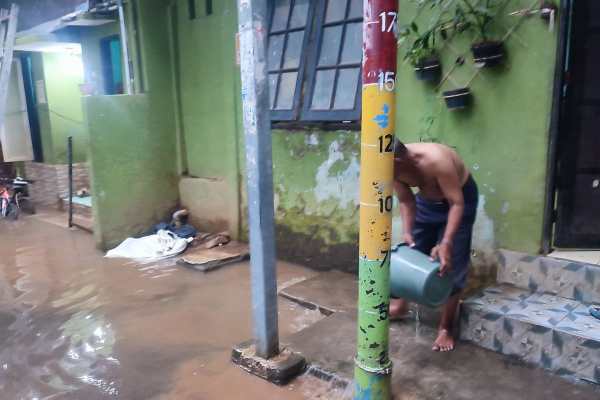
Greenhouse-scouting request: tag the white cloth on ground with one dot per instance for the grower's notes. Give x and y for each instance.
(162, 245)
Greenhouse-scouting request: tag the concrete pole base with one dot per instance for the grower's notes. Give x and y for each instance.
(279, 370)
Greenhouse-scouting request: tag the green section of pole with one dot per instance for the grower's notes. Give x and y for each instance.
(373, 324)
(372, 372)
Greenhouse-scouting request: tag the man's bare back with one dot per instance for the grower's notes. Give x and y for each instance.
(431, 158)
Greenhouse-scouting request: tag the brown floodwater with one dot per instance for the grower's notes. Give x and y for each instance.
(74, 325)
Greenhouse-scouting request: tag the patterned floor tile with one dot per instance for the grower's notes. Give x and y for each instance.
(581, 323)
(506, 259)
(543, 309)
(559, 276)
(481, 326)
(521, 272)
(575, 355)
(513, 268)
(529, 341)
(592, 274)
(500, 298)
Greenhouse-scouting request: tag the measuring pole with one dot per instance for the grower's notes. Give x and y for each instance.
(252, 15)
(373, 368)
(70, 147)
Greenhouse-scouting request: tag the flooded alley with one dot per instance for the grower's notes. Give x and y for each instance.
(74, 325)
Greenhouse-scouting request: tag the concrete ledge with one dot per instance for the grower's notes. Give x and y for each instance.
(279, 370)
(331, 292)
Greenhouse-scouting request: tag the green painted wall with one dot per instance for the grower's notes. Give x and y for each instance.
(61, 115)
(316, 178)
(503, 137)
(193, 102)
(134, 184)
(63, 73)
(133, 154)
(210, 103)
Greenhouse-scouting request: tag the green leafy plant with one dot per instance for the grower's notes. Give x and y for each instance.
(473, 15)
(423, 45)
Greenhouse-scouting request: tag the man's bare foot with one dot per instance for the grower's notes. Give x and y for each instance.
(444, 341)
(398, 310)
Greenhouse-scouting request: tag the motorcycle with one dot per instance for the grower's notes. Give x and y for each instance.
(14, 198)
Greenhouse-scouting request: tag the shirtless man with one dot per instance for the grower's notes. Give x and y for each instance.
(438, 220)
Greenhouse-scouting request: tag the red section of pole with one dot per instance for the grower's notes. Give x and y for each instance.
(379, 39)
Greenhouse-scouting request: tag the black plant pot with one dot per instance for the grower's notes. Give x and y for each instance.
(459, 98)
(428, 70)
(488, 54)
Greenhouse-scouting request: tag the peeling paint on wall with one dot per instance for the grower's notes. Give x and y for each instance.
(484, 243)
(338, 183)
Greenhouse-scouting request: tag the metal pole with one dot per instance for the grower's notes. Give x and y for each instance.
(373, 368)
(257, 132)
(70, 181)
(125, 49)
(7, 56)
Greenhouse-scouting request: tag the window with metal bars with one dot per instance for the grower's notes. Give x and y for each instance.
(315, 56)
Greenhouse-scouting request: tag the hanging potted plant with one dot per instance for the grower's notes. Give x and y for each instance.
(457, 99)
(477, 17)
(423, 55)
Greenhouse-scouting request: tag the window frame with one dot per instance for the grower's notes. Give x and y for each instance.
(294, 113)
(307, 114)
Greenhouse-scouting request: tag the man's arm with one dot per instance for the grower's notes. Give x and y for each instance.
(447, 178)
(408, 210)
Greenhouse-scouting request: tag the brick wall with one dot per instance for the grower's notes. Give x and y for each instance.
(52, 182)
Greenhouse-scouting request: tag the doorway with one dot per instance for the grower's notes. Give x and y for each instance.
(112, 65)
(578, 175)
(31, 100)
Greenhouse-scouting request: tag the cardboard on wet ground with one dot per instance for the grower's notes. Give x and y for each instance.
(208, 259)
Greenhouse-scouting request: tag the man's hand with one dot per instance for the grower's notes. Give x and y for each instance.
(408, 239)
(443, 253)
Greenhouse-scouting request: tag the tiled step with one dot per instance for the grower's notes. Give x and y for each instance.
(552, 331)
(564, 278)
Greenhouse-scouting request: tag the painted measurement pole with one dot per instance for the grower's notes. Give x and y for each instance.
(70, 147)
(252, 15)
(373, 367)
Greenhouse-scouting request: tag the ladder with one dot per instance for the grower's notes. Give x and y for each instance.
(8, 29)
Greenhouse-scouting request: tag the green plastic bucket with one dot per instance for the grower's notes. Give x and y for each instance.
(414, 277)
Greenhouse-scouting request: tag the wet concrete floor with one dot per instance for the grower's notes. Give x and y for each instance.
(74, 325)
(469, 372)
